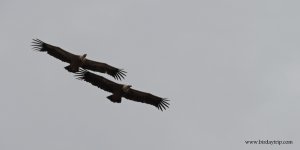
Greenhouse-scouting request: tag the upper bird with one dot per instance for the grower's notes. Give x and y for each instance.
(121, 90)
(77, 61)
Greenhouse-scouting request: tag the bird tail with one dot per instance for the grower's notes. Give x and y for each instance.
(71, 68)
(114, 98)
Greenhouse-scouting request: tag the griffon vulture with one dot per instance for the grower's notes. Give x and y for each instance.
(77, 61)
(119, 90)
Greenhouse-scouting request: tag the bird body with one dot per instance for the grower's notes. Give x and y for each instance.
(76, 63)
(119, 93)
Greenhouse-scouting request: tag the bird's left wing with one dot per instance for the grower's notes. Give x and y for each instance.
(143, 97)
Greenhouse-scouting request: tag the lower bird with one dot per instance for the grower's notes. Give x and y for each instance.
(120, 90)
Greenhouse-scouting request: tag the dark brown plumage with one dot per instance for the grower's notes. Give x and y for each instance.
(119, 90)
(77, 61)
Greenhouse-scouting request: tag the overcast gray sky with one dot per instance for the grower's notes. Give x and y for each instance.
(230, 68)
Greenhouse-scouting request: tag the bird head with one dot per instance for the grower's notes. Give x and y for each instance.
(82, 58)
(126, 88)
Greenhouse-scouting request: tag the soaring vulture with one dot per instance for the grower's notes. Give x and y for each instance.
(119, 90)
(77, 61)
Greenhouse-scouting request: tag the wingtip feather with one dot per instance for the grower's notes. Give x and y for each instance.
(163, 105)
(119, 74)
(37, 45)
(80, 74)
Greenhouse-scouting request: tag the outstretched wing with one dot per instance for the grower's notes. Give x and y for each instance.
(143, 97)
(54, 51)
(98, 81)
(104, 68)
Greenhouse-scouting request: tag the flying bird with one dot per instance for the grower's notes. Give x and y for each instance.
(77, 61)
(120, 90)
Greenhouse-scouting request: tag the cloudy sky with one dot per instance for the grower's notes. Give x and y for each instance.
(231, 70)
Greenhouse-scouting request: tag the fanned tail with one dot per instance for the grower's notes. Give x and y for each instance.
(71, 68)
(114, 98)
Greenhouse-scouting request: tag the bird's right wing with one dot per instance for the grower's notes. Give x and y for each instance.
(104, 68)
(54, 51)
